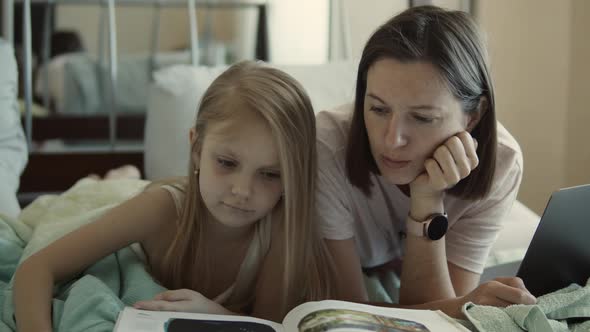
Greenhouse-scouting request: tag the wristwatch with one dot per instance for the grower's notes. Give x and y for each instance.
(433, 228)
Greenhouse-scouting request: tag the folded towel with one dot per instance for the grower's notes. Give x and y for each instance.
(567, 309)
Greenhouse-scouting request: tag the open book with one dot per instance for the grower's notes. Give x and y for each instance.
(308, 317)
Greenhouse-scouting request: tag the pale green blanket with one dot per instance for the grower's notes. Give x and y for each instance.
(567, 309)
(92, 300)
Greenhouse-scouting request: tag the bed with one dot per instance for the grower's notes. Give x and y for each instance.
(76, 82)
(171, 108)
(161, 150)
(100, 102)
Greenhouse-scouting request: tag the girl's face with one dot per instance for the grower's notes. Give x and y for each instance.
(408, 112)
(239, 170)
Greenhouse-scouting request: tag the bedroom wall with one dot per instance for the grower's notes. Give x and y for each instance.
(540, 54)
(530, 48)
(298, 31)
(578, 133)
(365, 16)
(134, 26)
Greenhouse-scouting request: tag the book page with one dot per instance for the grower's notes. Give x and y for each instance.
(133, 320)
(347, 316)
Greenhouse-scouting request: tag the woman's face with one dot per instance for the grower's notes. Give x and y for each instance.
(408, 112)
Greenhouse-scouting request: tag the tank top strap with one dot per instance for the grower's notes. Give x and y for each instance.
(177, 191)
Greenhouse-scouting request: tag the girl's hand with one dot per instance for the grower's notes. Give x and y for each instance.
(500, 292)
(184, 300)
(450, 163)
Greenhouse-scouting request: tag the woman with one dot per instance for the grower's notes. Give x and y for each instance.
(416, 174)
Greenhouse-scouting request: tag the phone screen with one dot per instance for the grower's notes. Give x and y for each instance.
(193, 325)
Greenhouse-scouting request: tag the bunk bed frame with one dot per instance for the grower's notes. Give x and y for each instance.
(55, 171)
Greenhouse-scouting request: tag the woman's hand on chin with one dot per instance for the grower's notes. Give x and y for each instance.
(450, 163)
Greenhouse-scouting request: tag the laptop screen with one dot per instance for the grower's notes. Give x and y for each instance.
(559, 253)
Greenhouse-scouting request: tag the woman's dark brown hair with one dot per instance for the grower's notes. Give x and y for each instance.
(450, 41)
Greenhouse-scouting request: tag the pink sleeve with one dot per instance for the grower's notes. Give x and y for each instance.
(470, 238)
(332, 203)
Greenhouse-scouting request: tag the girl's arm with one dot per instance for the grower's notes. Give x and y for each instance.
(133, 221)
(267, 295)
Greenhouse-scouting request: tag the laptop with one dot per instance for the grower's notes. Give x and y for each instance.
(559, 253)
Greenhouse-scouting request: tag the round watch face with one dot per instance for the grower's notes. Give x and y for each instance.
(438, 227)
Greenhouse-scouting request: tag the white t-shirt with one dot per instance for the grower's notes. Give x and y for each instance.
(377, 221)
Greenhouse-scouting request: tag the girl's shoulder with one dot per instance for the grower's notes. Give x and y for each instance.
(175, 187)
(178, 182)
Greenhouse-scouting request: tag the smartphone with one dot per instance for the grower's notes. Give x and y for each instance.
(193, 325)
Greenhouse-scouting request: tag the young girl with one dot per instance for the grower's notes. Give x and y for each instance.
(237, 233)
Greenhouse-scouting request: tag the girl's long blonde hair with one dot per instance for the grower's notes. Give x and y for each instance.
(283, 103)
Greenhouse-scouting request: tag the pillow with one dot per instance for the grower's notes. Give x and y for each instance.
(13, 145)
(517, 232)
(177, 90)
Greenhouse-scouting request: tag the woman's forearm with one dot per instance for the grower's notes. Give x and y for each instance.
(425, 274)
(32, 298)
